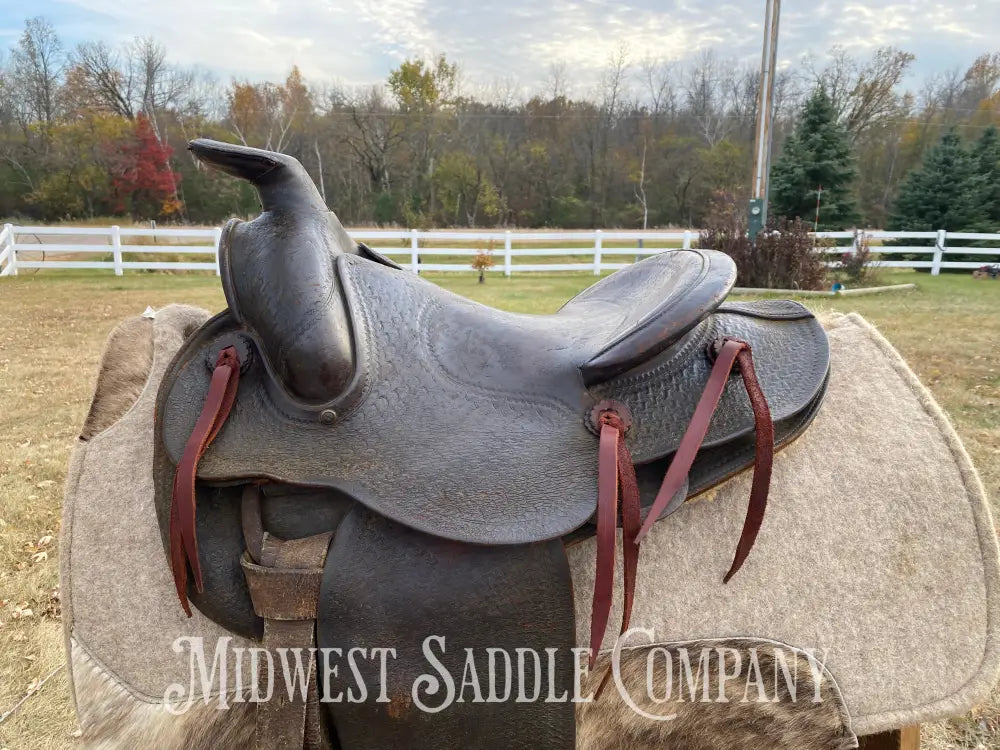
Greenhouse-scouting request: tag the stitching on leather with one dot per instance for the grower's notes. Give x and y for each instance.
(363, 359)
(768, 310)
(698, 337)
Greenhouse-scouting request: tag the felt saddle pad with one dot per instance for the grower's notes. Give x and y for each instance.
(878, 551)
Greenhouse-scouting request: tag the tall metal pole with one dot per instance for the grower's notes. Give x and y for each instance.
(759, 187)
(770, 101)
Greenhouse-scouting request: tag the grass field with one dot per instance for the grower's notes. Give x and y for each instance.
(53, 326)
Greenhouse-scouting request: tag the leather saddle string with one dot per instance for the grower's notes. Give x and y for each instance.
(183, 537)
(763, 462)
(616, 473)
(731, 352)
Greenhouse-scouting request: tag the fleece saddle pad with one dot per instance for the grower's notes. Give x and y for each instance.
(877, 525)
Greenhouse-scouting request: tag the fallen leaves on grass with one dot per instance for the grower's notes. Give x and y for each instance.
(53, 608)
(22, 611)
(37, 549)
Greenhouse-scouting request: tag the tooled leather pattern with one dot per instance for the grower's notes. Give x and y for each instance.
(643, 289)
(790, 355)
(435, 325)
(409, 328)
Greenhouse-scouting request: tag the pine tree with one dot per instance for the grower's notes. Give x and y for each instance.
(818, 153)
(986, 155)
(945, 192)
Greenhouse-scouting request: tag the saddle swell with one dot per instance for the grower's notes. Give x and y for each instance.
(366, 392)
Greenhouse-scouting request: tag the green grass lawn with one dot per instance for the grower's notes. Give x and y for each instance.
(53, 325)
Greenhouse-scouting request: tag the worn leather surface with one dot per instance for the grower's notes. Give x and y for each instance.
(388, 586)
(298, 278)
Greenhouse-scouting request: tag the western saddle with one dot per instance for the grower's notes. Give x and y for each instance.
(350, 456)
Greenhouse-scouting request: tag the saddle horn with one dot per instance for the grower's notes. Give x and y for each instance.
(278, 271)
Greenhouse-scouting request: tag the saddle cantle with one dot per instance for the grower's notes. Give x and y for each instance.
(336, 385)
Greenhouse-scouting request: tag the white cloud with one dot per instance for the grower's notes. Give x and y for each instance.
(359, 41)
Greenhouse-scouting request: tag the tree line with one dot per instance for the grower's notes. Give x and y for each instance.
(98, 130)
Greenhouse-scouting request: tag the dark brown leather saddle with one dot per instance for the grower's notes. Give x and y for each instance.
(353, 452)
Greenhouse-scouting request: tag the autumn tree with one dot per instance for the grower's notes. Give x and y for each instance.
(127, 81)
(864, 93)
(84, 154)
(422, 90)
(144, 183)
(636, 143)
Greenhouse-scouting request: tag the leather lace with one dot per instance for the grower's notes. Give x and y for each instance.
(183, 532)
(616, 478)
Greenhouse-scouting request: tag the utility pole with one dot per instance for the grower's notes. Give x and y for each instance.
(759, 186)
(819, 194)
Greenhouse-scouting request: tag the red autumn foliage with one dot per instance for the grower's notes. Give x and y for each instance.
(144, 184)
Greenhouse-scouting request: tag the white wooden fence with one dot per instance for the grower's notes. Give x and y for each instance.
(938, 253)
(605, 250)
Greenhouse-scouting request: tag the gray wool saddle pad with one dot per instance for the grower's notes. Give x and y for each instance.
(877, 525)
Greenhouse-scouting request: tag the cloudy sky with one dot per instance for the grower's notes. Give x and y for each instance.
(355, 41)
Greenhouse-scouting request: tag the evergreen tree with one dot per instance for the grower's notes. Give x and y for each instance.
(818, 153)
(945, 192)
(986, 155)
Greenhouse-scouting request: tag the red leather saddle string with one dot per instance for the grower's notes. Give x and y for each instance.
(616, 470)
(183, 534)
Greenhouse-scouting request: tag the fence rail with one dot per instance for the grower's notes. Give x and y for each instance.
(21, 246)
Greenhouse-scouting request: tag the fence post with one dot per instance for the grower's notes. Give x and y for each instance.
(598, 240)
(116, 248)
(414, 247)
(939, 248)
(687, 239)
(12, 260)
(506, 254)
(217, 240)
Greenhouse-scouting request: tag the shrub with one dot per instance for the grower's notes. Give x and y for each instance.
(858, 264)
(483, 261)
(782, 257)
